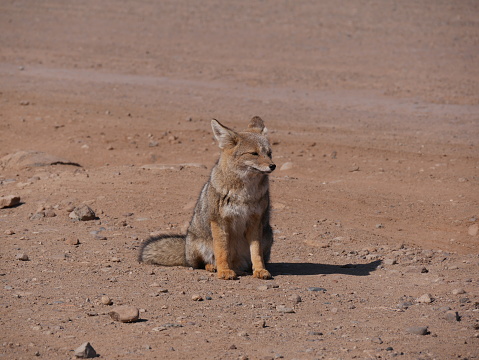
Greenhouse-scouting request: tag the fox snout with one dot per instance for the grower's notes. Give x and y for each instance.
(272, 167)
(267, 169)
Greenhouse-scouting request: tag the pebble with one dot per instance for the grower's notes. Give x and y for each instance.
(85, 351)
(452, 315)
(424, 299)
(267, 286)
(286, 166)
(49, 213)
(105, 300)
(260, 323)
(9, 201)
(295, 298)
(313, 288)
(284, 309)
(196, 297)
(125, 313)
(9, 232)
(389, 262)
(22, 257)
(72, 241)
(458, 291)
(418, 330)
(83, 213)
(473, 230)
(37, 216)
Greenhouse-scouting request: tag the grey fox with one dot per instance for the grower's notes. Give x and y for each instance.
(230, 231)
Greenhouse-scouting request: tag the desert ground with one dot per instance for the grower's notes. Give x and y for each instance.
(372, 109)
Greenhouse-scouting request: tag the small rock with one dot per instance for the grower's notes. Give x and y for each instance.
(22, 257)
(260, 323)
(267, 286)
(404, 305)
(72, 241)
(85, 351)
(125, 314)
(295, 298)
(377, 340)
(49, 213)
(9, 232)
(452, 316)
(105, 300)
(284, 309)
(9, 201)
(196, 297)
(83, 213)
(159, 328)
(458, 291)
(286, 166)
(313, 288)
(418, 330)
(473, 230)
(444, 308)
(37, 216)
(424, 299)
(389, 262)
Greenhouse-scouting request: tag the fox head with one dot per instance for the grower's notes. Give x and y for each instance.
(247, 152)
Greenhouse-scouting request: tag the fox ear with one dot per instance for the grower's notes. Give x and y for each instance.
(256, 124)
(225, 136)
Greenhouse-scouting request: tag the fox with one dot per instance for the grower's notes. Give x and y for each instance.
(229, 232)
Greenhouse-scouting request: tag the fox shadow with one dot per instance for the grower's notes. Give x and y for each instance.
(326, 269)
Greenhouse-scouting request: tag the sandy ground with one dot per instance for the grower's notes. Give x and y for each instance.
(375, 105)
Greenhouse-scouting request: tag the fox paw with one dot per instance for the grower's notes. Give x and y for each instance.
(210, 268)
(262, 274)
(227, 274)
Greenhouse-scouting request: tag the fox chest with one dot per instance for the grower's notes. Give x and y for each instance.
(239, 212)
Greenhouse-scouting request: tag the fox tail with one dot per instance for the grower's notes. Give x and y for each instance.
(167, 250)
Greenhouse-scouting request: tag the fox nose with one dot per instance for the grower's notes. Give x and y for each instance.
(272, 167)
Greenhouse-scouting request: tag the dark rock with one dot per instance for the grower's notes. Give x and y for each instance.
(85, 351)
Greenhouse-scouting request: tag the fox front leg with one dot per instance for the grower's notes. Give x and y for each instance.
(222, 253)
(253, 235)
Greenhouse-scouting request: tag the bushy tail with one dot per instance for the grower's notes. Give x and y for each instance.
(168, 250)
